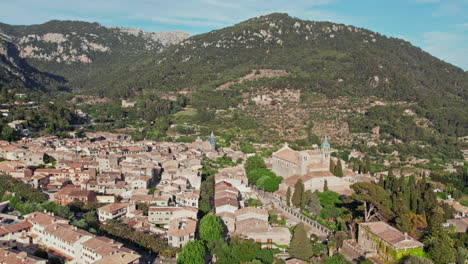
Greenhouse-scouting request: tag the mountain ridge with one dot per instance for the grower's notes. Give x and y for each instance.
(325, 62)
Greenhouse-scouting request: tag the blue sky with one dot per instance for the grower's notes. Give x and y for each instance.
(437, 26)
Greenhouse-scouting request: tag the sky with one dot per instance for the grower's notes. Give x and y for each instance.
(439, 27)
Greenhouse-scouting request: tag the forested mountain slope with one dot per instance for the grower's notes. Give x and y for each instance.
(77, 50)
(16, 73)
(331, 59)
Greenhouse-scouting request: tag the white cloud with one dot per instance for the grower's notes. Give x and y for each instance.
(450, 47)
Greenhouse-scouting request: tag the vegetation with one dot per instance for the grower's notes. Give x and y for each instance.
(239, 250)
(210, 228)
(192, 253)
(121, 231)
(300, 246)
(259, 175)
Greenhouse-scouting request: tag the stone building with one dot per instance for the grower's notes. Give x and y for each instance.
(287, 162)
(388, 244)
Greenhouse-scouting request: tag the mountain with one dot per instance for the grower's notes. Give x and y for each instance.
(75, 49)
(329, 59)
(267, 79)
(16, 73)
(322, 51)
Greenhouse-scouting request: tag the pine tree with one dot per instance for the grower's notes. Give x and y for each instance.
(297, 196)
(300, 246)
(288, 196)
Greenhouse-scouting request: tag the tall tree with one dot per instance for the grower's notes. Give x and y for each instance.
(332, 166)
(210, 228)
(306, 196)
(338, 169)
(314, 205)
(367, 166)
(376, 201)
(440, 246)
(192, 253)
(300, 246)
(298, 190)
(288, 196)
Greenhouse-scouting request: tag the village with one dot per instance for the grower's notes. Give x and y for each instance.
(155, 188)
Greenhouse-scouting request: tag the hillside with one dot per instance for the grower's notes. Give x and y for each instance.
(16, 73)
(267, 79)
(76, 50)
(330, 59)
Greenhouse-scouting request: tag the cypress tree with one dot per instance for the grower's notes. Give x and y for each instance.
(300, 246)
(367, 166)
(332, 166)
(288, 196)
(381, 181)
(338, 169)
(297, 196)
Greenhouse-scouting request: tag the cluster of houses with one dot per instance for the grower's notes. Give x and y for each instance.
(61, 239)
(163, 177)
(231, 191)
(154, 187)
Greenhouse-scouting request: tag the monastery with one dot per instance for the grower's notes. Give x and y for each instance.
(313, 168)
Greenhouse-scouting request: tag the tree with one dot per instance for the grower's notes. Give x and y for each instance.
(440, 246)
(40, 253)
(329, 198)
(269, 182)
(314, 205)
(337, 259)
(210, 228)
(300, 246)
(325, 186)
(367, 166)
(338, 169)
(462, 255)
(411, 223)
(192, 253)
(298, 190)
(254, 162)
(288, 196)
(306, 196)
(332, 166)
(376, 201)
(338, 238)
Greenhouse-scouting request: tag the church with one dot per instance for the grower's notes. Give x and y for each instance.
(287, 162)
(313, 168)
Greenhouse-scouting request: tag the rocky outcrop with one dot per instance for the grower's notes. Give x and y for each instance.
(80, 42)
